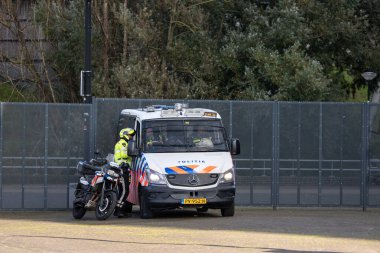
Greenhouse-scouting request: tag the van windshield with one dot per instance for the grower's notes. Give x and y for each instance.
(169, 136)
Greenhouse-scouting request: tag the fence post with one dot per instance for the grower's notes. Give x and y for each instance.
(86, 134)
(231, 114)
(46, 132)
(93, 117)
(251, 160)
(299, 155)
(23, 157)
(275, 165)
(320, 154)
(365, 154)
(1, 155)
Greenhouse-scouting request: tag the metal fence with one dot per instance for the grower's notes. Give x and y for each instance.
(293, 154)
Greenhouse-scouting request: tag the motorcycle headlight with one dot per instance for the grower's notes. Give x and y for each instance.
(155, 177)
(227, 177)
(115, 165)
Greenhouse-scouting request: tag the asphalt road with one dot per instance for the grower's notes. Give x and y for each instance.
(250, 230)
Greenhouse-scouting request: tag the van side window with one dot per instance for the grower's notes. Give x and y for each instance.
(125, 121)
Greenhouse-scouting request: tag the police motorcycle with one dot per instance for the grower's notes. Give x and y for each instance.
(100, 192)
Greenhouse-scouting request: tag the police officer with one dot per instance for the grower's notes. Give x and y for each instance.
(202, 138)
(121, 147)
(152, 139)
(121, 157)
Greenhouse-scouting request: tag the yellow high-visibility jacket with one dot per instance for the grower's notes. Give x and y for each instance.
(121, 154)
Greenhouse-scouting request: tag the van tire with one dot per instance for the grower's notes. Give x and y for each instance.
(145, 211)
(229, 211)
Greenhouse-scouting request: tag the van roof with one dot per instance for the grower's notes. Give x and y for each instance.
(171, 112)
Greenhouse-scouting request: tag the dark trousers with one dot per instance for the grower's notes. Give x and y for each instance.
(122, 205)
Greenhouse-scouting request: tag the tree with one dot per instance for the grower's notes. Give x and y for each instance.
(63, 27)
(288, 50)
(371, 47)
(325, 35)
(24, 70)
(169, 50)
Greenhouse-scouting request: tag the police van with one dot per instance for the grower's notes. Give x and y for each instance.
(181, 159)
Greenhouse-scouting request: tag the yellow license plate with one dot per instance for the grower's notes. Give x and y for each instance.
(194, 201)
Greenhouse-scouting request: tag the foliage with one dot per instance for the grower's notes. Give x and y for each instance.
(302, 79)
(63, 28)
(23, 68)
(9, 93)
(303, 50)
(325, 38)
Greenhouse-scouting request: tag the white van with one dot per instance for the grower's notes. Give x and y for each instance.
(181, 159)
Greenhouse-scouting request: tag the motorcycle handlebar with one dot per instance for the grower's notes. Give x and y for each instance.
(90, 167)
(87, 168)
(98, 161)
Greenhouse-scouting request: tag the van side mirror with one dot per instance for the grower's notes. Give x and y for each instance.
(235, 147)
(132, 149)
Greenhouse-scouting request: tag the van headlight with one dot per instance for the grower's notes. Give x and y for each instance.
(155, 177)
(227, 177)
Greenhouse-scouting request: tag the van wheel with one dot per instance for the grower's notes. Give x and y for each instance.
(145, 211)
(229, 211)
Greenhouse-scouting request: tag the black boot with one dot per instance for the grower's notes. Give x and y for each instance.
(118, 212)
(123, 212)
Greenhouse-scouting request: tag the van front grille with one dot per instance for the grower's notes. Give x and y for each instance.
(192, 180)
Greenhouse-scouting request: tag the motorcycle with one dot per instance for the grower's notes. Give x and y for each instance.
(100, 192)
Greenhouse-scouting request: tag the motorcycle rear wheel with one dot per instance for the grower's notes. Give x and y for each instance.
(79, 211)
(105, 210)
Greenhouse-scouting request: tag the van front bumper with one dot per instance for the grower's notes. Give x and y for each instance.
(163, 197)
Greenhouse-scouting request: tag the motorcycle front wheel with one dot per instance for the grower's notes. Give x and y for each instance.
(104, 210)
(78, 211)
